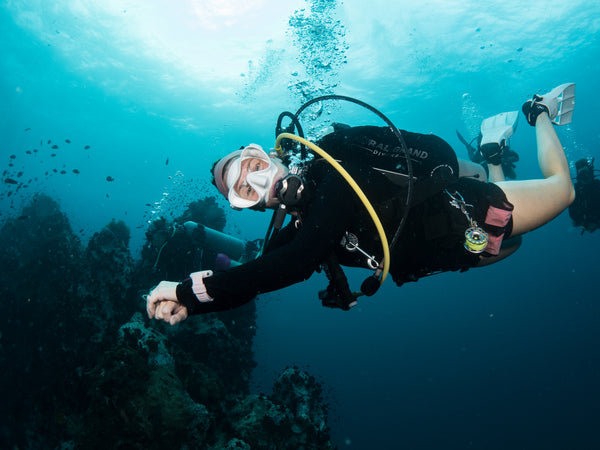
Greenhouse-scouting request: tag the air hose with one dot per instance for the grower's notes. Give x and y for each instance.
(290, 129)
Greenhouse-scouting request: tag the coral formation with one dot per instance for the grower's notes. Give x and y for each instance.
(87, 369)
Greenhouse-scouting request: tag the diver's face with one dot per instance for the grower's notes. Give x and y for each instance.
(242, 188)
(257, 180)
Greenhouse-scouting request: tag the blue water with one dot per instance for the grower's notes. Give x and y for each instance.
(496, 358)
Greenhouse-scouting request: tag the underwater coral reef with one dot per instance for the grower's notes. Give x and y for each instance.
(83, 367)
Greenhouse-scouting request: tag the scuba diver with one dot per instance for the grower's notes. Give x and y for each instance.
(585, 210)
(389, 183)
(493, 147)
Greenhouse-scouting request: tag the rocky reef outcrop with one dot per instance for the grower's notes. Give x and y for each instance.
(83, 367)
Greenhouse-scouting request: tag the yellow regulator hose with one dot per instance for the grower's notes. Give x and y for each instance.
(319, 151)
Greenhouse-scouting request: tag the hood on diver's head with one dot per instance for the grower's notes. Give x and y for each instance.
(220, 169)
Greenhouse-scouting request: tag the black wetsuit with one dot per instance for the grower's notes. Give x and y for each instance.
(432, 240)
(585, 209)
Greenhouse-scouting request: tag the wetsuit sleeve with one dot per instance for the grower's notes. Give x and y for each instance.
(324, 223)
(285, 235)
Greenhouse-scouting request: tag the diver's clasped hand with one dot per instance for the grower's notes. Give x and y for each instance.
(171, 312)
(162, 303)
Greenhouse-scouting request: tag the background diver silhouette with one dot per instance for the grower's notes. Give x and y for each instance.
(585, 209)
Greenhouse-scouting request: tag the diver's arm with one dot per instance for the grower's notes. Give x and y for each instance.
(285, 235)
(323, 225)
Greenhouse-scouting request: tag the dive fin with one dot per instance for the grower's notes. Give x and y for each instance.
(499, 128)
(559, 103)
(564, 96)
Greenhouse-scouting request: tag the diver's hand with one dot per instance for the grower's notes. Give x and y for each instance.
(162, 303)
(171, 312)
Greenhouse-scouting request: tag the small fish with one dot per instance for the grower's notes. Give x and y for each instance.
(13, 156)
(27, 129)
(55, 146)
(22, 217)
(10, 181)
(28, 152)
(75, 171)
(35, 150)
(167, 162)
(54, 170)
(109, 178)
(53, 155)
(86, 147)
(63, 172)
(49, 141)
(67, 141)
(20, 174)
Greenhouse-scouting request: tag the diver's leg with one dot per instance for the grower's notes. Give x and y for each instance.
(537, 202)
(469, 169)
(495, 134)
(496, 173)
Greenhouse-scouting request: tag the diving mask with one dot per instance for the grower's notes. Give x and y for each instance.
(259, 177)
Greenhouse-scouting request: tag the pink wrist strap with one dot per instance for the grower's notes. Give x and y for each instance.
(198, 285)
